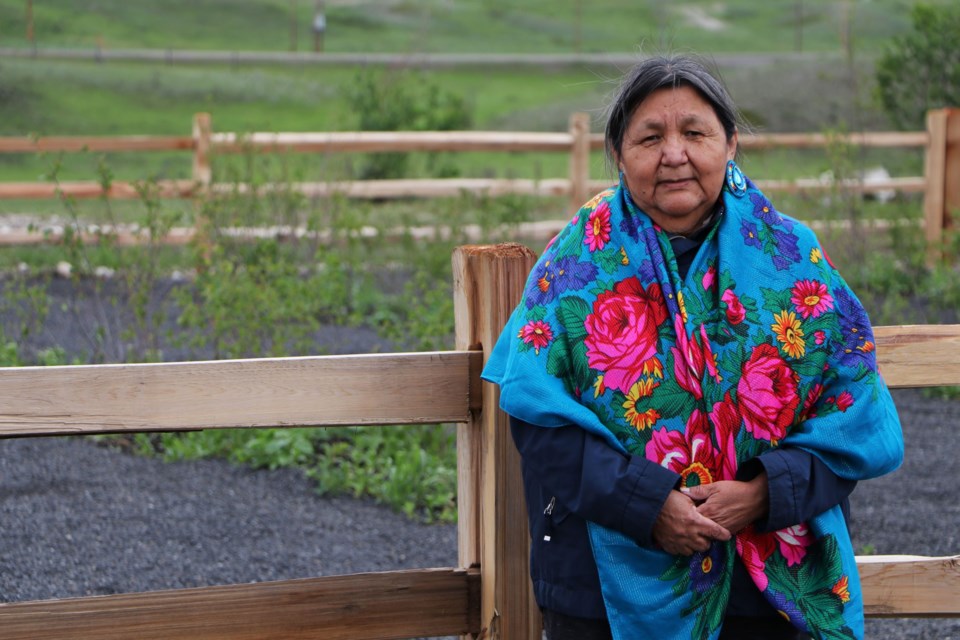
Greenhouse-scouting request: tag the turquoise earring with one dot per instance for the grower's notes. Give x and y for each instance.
(736, 181)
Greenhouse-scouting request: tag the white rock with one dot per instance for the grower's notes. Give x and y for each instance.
(878, 175)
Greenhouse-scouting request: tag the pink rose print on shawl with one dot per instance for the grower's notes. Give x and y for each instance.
(735, 311)
(622, 333)
(690, 358)
(754, 549)
(767, 394)
(690, 453)
(793, 542)
(598, 227)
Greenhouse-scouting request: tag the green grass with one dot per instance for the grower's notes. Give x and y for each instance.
(77, 98)
(462, 26)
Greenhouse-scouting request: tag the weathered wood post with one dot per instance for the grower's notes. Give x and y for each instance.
(202, 177)
(201, 149)
(942, 173)
(579, 160)
(492, 521)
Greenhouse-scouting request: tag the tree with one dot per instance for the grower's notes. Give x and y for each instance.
(921, 70)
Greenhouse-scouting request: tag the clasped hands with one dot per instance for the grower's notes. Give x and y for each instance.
(693, 517)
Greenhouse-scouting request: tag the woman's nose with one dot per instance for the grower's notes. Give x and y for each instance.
(674, 151)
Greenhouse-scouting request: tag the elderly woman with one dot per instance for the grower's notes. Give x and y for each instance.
(694, 393)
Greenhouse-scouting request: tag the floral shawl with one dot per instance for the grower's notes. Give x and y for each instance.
(762, 345)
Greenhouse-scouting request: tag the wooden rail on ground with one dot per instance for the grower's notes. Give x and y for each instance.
(940, 183)
(489, 594)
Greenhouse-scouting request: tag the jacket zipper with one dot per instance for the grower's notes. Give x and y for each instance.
(548, 513)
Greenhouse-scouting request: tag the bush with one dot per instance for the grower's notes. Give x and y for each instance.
(405, 102)
(921, 70)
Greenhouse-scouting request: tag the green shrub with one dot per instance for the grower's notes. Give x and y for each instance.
(412, 468)
(405, 101)
(921, 70)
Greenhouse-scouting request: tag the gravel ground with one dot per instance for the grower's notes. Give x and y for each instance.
(78, 519)
(81, 519)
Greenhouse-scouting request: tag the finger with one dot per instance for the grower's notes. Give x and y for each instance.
(721, 533)
(698, 493)
(713, 530)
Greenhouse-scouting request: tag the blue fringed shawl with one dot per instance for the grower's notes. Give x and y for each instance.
(762, 345)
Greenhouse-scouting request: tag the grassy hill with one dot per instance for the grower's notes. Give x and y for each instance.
(545, 26)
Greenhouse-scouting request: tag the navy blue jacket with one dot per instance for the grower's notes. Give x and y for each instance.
(571, 476)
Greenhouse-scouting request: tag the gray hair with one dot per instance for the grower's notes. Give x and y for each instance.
(660, 72)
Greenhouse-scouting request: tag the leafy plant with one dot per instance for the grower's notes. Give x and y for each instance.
(90, 248)
(921, 69)
(257, 448)
(404, 101)
(412, 468)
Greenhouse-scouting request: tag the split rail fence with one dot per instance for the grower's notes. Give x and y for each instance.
(488, 595)
(940, 184)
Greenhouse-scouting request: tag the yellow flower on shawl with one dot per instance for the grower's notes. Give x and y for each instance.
(598, 387)
(815, 255)
(640, 419)
(596, 199)
(624, 260)
(682, 305)
(788, 331)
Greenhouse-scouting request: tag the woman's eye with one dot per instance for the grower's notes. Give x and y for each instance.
(649, 139)
(694, 134)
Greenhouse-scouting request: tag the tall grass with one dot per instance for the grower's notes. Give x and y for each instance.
(463, 26)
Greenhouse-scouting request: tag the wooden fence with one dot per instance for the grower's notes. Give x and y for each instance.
(488, 595)
(940, 183)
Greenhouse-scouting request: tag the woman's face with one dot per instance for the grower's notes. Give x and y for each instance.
(674, 156)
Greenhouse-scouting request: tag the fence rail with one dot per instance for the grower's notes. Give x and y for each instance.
(488, 595)
(373, 606)
(413, 388)
(940, 183)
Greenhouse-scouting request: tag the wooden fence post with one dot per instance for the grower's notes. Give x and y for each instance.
(202, 177)
(579, 160)
(492, 517)
(942, 174)
(934, 169)
(951, 172)
(201, 150)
